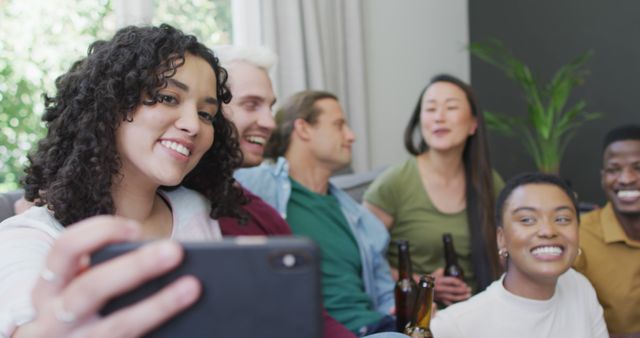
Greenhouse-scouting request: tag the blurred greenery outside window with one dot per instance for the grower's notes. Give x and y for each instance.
(41, 39)
(209, 20)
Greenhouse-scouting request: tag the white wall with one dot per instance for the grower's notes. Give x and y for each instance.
(406, 43)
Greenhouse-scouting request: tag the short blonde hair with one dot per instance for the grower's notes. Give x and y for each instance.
(260, 57)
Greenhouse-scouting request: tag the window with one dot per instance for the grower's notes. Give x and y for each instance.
(39, 41)
(208, 20)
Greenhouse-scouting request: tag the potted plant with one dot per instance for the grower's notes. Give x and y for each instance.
(548, 125)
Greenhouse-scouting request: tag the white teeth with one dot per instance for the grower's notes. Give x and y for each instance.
(257, 139)
(629, 193)
(176, 146)
(547, 250)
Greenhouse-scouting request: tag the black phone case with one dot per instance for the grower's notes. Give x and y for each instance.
(266, 287)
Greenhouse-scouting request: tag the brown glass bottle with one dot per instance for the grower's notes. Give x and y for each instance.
(451, 267)
(422, 314)
(406, 288)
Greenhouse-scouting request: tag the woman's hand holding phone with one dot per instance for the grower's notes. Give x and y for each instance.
(69, 293)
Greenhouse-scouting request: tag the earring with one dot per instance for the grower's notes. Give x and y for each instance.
(503, 253)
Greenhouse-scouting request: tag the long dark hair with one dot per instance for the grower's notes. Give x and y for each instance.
(478, 175)
(75, 164)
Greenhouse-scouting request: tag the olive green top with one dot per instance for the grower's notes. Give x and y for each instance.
(400, 193)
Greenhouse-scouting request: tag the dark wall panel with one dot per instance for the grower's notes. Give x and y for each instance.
(545, 35)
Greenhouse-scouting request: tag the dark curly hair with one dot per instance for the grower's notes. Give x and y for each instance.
(75, 164)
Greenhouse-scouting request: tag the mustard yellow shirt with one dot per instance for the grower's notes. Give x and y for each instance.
(611, 262)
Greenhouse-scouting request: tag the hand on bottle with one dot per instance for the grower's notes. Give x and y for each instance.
(69, 293)
(394, 275)
(449, 290)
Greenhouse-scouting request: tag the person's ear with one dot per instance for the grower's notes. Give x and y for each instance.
(474, 127)
(301, 129)
(500, 238)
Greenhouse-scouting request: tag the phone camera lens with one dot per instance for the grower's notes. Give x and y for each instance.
(289, 260)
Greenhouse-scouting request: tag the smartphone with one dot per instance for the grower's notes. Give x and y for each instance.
(253, 286)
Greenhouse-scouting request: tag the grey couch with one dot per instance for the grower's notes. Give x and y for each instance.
(7, 200)
(356, 184)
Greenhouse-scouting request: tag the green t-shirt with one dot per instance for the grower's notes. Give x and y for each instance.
(320, 218)
(399, 192)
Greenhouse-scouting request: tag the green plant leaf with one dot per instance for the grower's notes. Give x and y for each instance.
(592, 116)
(558, 95)
(564, 80)
(569, 118)
(492, 52)
(538, 120)
(547, 128)
(500, 123)
(522, 75)
(532, 146)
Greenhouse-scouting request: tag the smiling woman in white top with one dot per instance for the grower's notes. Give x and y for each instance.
(136, 134)
(539, 295)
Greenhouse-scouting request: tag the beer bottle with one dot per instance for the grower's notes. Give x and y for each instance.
(422, 314)
(451, 267)
(405, 289)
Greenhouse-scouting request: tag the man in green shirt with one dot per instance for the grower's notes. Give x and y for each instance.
(312, 141)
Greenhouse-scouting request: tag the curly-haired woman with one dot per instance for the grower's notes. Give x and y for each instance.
(135, 132)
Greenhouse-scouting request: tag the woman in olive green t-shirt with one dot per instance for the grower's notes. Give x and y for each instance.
(448, 187)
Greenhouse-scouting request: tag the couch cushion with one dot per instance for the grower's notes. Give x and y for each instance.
(356, 184)
(7, 200)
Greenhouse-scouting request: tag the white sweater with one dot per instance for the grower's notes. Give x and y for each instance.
(573, 311)
(25, 240)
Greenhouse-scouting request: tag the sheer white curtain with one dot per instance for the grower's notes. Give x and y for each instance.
(133, 12)
(320, 46)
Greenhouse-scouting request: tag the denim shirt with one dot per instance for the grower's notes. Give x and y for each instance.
(271, 182)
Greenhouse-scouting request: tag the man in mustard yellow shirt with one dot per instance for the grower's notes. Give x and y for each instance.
(610, 237)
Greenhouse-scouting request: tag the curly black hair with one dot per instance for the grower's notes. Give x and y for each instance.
(75, 164)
